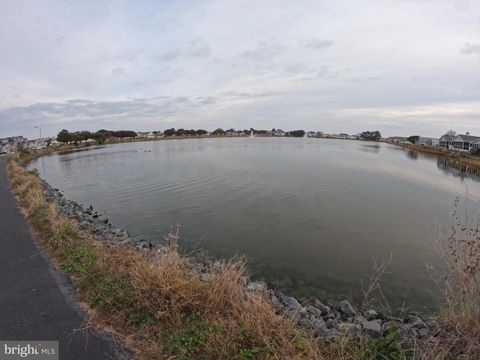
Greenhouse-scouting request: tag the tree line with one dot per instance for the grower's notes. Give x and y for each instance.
(66, 136)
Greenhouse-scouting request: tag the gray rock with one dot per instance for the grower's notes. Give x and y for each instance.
(372, 328)
(331, 323)
(347, 308)
(277, 304)
(314, 311)
(322, 307)
(320, 327)
(291, 304)
(371, 314)
(103, 219)
(416, 321)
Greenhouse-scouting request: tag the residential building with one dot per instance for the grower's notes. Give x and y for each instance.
(446, 140)
(36, 144)
(11, 144)
(397, 139)
(462, 142)
(142, 134)
(428, 141)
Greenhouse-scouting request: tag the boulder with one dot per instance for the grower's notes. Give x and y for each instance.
(322, 307)
(314, 311)
(372, 328)
(346, 308)
(291, 304)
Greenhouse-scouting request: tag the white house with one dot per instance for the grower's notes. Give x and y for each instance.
(11, 144)
(428, 141)
(462, 142)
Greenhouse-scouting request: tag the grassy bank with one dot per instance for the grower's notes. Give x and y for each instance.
(153, 302)
(460, 157)
(160, 307)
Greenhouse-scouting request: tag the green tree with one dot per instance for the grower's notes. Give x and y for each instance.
(371, 135)
(413, 139)
(218, 131)
(169, 132)
(296, 133)
(64, 136)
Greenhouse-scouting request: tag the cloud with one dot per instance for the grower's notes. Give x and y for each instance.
(199, 49)
(264, 51)
(471, 49)
(305, 64)
(317, 44)
(118, 72)
(170, 55)
(73, 112)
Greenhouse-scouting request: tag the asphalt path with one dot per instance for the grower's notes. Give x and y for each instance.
(37, 302)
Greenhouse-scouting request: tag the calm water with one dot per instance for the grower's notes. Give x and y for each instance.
(310, 214)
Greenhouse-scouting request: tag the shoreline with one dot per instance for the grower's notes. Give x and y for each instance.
(462, 158)
(325, 323)
(328, 319)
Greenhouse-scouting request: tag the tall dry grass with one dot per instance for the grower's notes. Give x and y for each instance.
(460, 282)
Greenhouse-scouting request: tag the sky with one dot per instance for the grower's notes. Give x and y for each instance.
(403, 67)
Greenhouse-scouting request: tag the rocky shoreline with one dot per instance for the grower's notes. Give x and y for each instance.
(325, 321)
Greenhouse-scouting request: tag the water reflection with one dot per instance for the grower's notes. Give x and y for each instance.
(455, 168)
(308, 213)
(375, 148)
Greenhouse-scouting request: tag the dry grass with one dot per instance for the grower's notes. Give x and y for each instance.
(460, 249)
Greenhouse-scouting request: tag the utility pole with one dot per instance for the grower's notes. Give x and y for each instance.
(40, 129)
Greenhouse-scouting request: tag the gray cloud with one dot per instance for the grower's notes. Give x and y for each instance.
(74, 111)
(470, 49)
(199, 48)
(264, 51)
(317, 44)
(119, 72)
(258, 63)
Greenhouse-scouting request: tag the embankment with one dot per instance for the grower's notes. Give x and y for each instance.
(162, 302)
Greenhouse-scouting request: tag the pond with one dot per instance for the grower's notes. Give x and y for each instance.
(310, 215)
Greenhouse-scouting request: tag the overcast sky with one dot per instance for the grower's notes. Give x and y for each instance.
(401, 66)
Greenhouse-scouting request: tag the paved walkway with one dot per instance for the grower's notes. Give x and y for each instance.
(36, 301)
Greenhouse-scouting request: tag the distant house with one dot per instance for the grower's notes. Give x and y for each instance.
(36, 144)
(446, 140)
(463, 142)
(397, 139)
(428, 141)
(475, 145)
(338, 136)
(11, 144)
(232, 132)
(142, 134)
